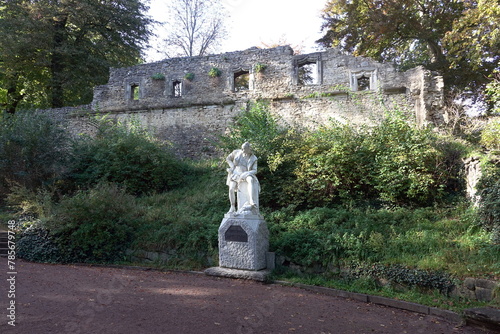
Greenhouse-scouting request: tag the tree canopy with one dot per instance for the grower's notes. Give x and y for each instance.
(459, 38)
(53, 52)
(195, 27)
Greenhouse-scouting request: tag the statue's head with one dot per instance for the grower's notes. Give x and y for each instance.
(246, 147)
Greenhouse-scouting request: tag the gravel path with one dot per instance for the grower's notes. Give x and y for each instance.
(81, 299)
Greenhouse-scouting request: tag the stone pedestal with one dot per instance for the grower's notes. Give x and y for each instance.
(243, 242)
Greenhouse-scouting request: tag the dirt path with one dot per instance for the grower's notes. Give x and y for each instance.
(78, 299)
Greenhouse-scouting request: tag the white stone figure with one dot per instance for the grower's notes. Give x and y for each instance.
(241, 178)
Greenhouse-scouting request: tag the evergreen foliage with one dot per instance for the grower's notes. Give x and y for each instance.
(489, 210)
(33, 151)
(125, 154)
(95, 225)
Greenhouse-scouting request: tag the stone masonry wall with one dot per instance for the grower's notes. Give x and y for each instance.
(178, 100)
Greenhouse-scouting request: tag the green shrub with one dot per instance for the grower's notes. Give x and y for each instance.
(33, 150)
(214, 72)
(302, 246)
(25, 202)
(125, 154)
(490, 136)
(96, 225)
(489, 210)
(334, 164)
(393, 162)
(427, 239)
(37, 245)
(407, 276)
(259, 67)
(407, 165)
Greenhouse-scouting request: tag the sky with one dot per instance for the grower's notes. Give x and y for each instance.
(252, 22)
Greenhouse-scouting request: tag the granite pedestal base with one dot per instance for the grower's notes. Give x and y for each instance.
(243, 242)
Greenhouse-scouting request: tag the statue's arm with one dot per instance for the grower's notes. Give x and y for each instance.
(230, 159)
(253, 169)
(230, 162)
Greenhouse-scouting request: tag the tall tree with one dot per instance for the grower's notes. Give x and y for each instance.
(53, 52)
(417, 32)
(474, 43)
(195, 28)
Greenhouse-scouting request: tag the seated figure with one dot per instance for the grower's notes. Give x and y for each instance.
(241, 178)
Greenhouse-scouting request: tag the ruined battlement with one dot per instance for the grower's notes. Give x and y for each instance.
(259, 74)
(189, 99)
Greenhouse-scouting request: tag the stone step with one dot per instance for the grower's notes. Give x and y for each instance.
(485, 317)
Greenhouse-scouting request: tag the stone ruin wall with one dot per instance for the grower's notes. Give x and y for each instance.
(191, 111)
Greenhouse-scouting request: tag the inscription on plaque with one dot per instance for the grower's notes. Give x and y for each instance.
(236, 233)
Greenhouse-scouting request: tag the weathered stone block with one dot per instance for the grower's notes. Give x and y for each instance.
(470, 283)
(484, 295)
(486, 284)
(463, 292)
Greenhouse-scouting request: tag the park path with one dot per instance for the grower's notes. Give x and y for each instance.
(83, 299)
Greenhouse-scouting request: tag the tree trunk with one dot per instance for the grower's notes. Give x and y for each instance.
(57, 62)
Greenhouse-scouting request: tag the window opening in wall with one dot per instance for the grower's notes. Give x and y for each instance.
(241, 81)
(364, 83)
(364, 79)
(307, 74)
(177, 88)
(134, 92)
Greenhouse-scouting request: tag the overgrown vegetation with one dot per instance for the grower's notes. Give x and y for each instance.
(347, 204)
(32, 150)
(426, 238)
(124, 154)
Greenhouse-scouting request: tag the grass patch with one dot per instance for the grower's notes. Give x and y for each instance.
(186, 220)
(428, 238)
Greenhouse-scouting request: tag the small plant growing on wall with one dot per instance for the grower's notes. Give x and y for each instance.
(214, 72)
(259, 67)
(189, 76)
(158, 76)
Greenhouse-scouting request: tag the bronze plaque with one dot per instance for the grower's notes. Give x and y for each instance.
(236, 233)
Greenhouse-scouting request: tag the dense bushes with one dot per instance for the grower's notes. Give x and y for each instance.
(125, 154)
(490, 136)
(96, 225)
(37, 152)
(393, 162)
(33, 150)
(35, 243)
(489, 210)
(99, 224)
(82, 188)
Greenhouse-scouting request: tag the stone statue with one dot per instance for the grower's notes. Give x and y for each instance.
(241, 178)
